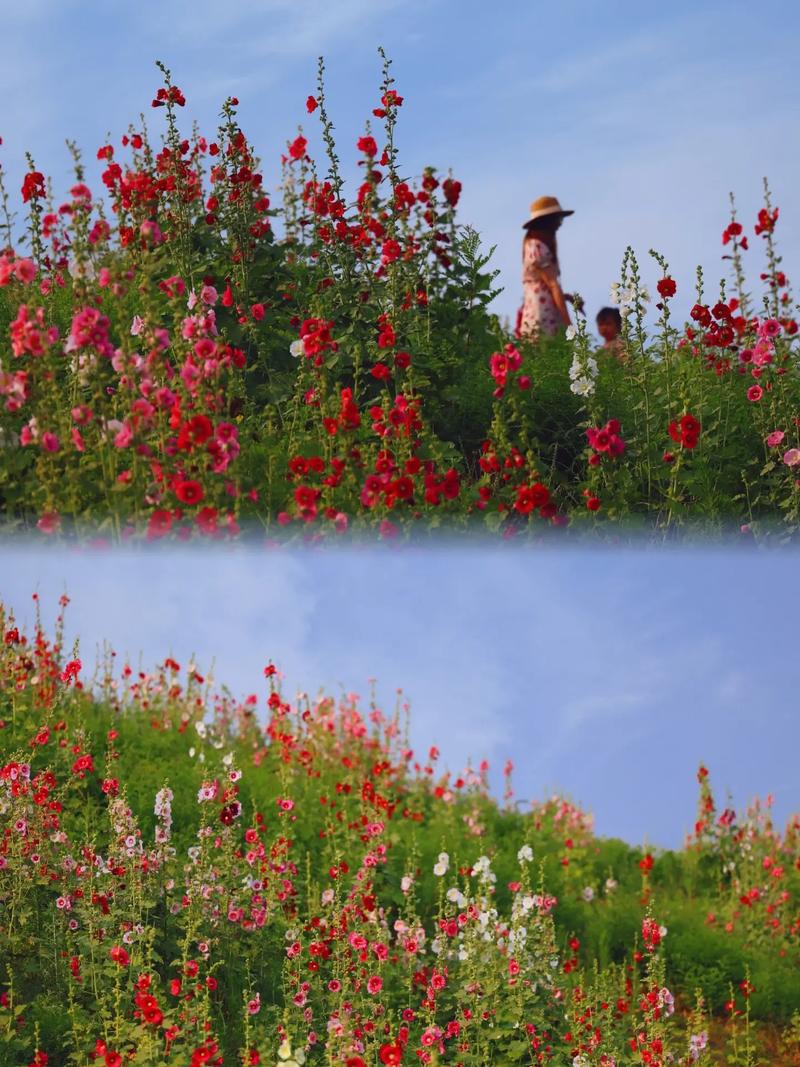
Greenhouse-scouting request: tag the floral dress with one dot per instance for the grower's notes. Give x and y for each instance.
(539, 312)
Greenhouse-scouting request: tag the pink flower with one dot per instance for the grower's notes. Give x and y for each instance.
(49, 522)
(25, 271)
(770, 328)
(792, 457)
(50, 442)
(124, 437)
(208, 294)
(775, 438)
(754, 393)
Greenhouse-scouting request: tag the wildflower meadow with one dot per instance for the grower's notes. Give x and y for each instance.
(189, 878)
(187, 353)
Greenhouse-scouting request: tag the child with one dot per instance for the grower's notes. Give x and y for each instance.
(609, 326)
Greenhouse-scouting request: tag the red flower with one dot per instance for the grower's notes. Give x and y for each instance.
(297, 149)
(119, 956)
(593, 503)
(452, 191)
(33, 186)
(311, 104)
(195, 431)
(159, 524)
(368, 146)
(189, 492)
(666, 287)
(71, 670)
(391, 1055)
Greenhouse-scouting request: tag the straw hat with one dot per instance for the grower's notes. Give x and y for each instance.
(545, 205)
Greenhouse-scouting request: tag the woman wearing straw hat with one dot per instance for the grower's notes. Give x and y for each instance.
(544, 309)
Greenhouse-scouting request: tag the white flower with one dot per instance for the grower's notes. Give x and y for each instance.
(611, 885)
(297, 349)
(285, 1050)
(582, 387)
(571, 333)
(588, 894)
(406, 882)
(442, 866)
(525, 854)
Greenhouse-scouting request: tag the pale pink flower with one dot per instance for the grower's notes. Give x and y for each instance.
(775, 438)
(792, 457)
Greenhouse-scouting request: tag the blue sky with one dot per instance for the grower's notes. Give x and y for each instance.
(641, 117)
(608, 674)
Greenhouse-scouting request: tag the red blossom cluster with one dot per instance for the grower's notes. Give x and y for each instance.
(605, 440)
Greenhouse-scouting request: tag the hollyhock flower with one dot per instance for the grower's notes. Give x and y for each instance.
(50, 521)
(769, 328)
(775, 438)
(367, 145)
(754, 393)
(442, 865)
(25, 271)
(33, 186)
(666, 288)
(792, 457)
(159, 524)
(189, 492)
(582, 387)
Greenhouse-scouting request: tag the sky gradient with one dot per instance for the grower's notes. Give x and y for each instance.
(640, 117)
(607, 674)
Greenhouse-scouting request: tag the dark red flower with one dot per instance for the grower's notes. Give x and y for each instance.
(666, 288)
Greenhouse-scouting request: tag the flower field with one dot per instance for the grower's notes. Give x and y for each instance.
(185, 355)
(188, 878)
